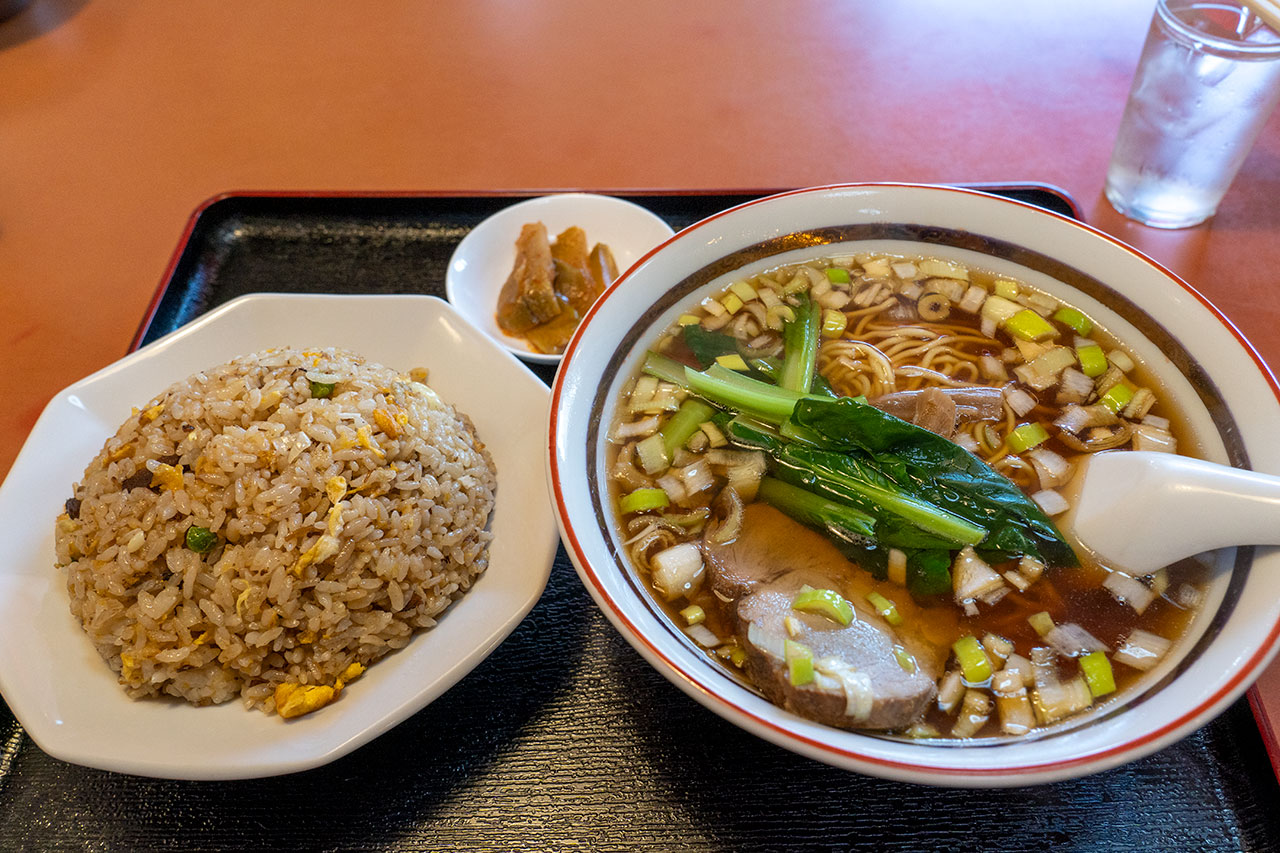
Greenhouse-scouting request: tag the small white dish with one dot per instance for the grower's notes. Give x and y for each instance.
(65, 696)
(482, 261)
(1230, 403)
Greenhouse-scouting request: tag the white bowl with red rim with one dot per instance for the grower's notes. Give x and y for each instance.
(1230, 402)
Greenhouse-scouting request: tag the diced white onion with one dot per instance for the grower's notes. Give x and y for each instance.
(1189, 596)
(905, 270)
(972, 578)
(992, 367)
(1033, 378)
(1075, 419)
(1053, 702)
(1019, 582)
(651, 453)
(1070, 640)
(713, 307)
(1041, 302)
(997, 645)
(1016, 663)
(703, 636)
(1146, 437)
(950, 691)
(636, 429)
(1120, 359)
(1051, 467)
(898, 566)
(1130, 591)
(671, 484)
(1142, 649)
(1014, 708)
(974, 713)
(1019, 400)
(1074, 387)
(696, 477)
(972, 299)
(947, 269)
(677, 570)
(1044, 666)
(1051, 502)
(1031, 568)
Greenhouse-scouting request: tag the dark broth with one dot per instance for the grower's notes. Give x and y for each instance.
(1067, 595)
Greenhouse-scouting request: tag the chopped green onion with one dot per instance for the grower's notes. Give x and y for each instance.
(973, 660)
(689, 320)
(1030, 326)
(643, 500)
(800, 347)
(693, 615)
(744, 290)
(799, 662)
(1093, 361)
(715, 436)
(905, 660)
(833, 323)
(687, 420)
(652, 453)
(1118, 397)
(665, 367)
(998, 309)
(886, 608)
(758, 399)
(824, 602)
(1006, 289)
(201, 539)
(1068, 316)
(838, 275)
(731, 302)
(1042, 622)
(1097, 673)
(1026, 437)
(733, 361)
(321, 390)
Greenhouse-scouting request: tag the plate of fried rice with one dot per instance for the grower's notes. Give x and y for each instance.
(261, 541)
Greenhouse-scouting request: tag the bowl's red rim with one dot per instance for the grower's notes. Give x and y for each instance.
(1111, 756)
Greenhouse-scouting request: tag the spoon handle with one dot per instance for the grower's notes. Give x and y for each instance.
(1232, 506)
(1138, 510)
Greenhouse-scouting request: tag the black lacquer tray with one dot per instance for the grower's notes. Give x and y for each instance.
(565, 738)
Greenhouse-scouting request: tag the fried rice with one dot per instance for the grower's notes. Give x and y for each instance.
(270, 527)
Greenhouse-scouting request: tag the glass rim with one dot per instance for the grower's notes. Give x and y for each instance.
(1218, 44)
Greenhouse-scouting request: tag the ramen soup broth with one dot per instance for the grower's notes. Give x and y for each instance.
(883, 293)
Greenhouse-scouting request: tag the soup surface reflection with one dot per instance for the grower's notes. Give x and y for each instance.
(840, 478)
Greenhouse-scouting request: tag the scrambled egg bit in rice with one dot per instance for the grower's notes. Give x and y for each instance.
(270, 527)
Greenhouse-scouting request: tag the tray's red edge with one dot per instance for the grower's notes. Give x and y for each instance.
(1266, 728)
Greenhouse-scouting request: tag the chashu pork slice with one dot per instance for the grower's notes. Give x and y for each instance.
(869, 674)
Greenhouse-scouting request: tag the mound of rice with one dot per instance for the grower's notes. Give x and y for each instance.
(270, 527)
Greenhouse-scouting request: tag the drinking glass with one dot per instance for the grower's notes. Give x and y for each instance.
(1207, 80)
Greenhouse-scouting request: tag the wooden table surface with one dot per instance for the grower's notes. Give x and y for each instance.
(118, 119)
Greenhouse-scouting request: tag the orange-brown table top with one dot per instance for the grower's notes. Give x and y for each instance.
(118, 119)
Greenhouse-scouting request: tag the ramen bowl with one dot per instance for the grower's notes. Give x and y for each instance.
(1225, 400)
